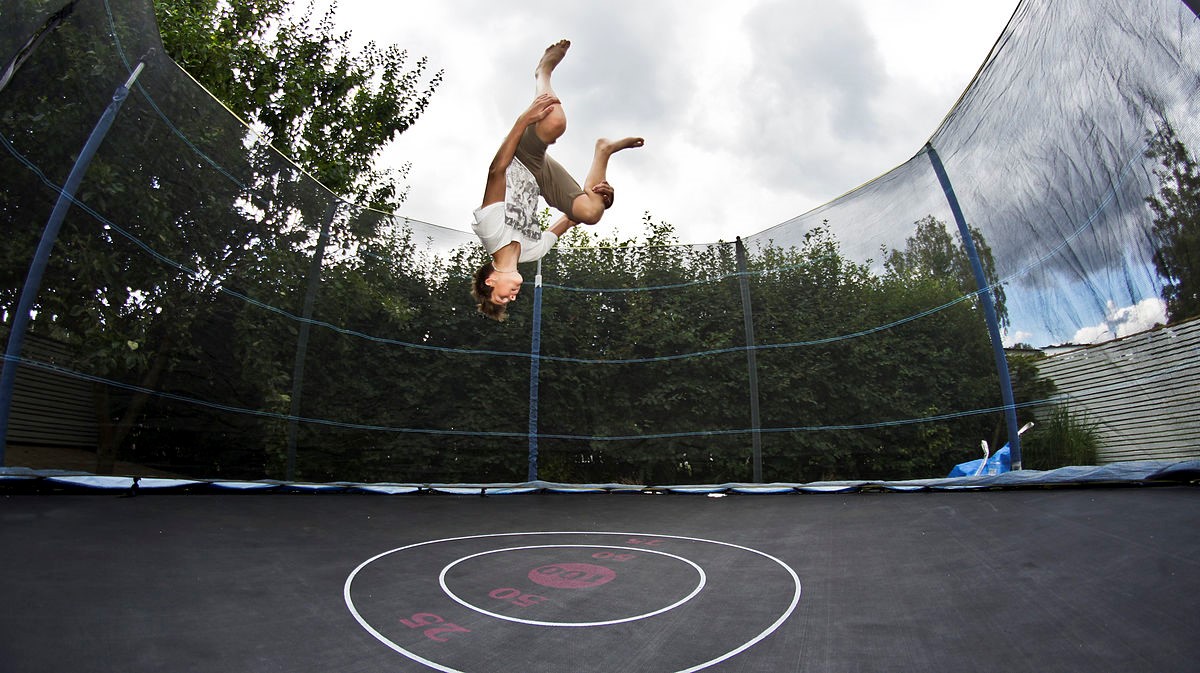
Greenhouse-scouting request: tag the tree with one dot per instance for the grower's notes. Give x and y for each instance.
(931, 253)
(327, 108)
(183, 209)
(1176, 209)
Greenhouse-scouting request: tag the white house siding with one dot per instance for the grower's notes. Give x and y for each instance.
(50, 409)
(1142, 392)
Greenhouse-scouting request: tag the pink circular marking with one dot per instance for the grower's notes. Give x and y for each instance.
(571, 575)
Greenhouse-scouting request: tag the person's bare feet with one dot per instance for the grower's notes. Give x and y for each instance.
(551, 58)
(606, 146)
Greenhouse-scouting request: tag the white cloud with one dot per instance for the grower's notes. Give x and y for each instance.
(753, 112)
(1094, 334)
(1125, 320)
(1018, 337)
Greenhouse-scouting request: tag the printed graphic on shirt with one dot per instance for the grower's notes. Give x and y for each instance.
(520, 201)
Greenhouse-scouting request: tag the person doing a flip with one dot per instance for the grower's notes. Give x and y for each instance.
(506, 222)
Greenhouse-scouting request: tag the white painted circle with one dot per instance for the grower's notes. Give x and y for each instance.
(476, 608)
(692, 669)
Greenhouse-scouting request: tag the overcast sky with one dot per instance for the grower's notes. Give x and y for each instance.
(753, 111)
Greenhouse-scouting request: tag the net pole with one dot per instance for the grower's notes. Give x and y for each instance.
(989, 308)
(56, 19)
(751, 359)
(310, 296)
(535, 367)
(41, 257)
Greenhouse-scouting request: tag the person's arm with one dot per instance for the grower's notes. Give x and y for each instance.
(532, 253)
(606, 192)
(562, 226)
(493, 191)
(538, 250)
(564, 223)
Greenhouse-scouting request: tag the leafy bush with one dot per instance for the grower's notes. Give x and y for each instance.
(1060, 439)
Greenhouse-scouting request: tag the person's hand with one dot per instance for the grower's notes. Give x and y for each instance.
(606, 192)
(539, 108)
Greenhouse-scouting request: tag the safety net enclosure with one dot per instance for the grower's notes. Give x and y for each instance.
(206, 309)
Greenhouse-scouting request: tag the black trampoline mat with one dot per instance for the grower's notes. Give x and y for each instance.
(1066, 579)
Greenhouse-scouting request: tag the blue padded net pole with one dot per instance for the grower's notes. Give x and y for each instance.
(37, 268)
(310, 297)
(989, 308)
(751, 359)
(535, 365)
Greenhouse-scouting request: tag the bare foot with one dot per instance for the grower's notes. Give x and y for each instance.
(606, 146)
(550, 60)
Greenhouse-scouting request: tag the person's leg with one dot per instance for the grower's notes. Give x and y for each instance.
(496, 186)
(558, 187)
(589, 206)
(555, 124)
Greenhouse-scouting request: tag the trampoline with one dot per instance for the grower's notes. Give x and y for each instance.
(200, 309)
(1044, 577)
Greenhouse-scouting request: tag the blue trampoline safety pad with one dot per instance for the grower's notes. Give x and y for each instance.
(1134, 472)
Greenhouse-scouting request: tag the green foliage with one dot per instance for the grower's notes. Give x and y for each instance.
(634, 421)
(1059, 439)
(930, 253)
(1176, 209)
(695, 308)
(295, 80)
(183, 209)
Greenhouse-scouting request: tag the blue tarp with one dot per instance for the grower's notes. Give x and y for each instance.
(997, 463)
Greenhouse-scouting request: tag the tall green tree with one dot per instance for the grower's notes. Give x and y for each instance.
(295, 79)
(1176, 209)
(933, 256)
(184, 209)
(932, 252)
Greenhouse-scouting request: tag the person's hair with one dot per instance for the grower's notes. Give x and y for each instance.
(482, 292)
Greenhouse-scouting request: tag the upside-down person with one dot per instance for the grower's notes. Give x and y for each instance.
(506, 222)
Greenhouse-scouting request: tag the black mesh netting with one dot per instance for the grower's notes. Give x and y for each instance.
(846, 343)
